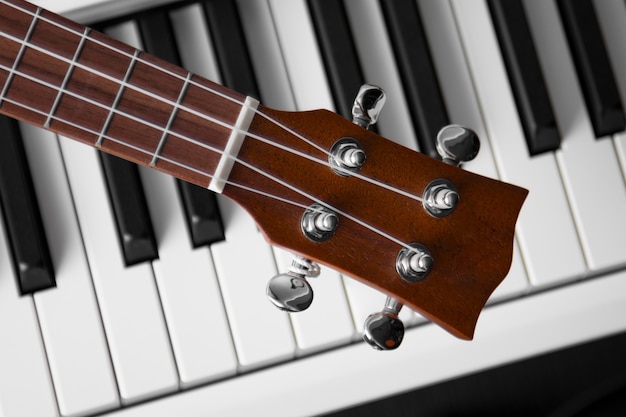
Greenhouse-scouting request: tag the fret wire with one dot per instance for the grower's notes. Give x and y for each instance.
(118, 97)
(68, 75)
(175, 75)
(20, 53)
(168, 127)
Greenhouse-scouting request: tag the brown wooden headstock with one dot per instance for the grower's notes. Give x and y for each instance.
(471, 248)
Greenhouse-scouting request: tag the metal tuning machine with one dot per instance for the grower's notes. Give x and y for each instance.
(455, 144)
(291, 291)
(384, 330)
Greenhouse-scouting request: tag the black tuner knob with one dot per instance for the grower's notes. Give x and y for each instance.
(384, 330)
(457, 144)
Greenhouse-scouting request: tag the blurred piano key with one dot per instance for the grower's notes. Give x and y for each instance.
(527, 81)
(301, 54)
(507, 331)
(329, 293)
(25, 386)
(379, 68)
(602, 229)
(69, 315)
(327, 322)
(337, 47)
(244, 263)
(266, 54)
(187, 285)
(134, 227)
(202, 213)
(33, 266)
(269, 337)
(594, 71)
(612, 18)
(414, 61)
(189, 291)
(231, 51)
(138, 338)
(463, 108)
(545, 230)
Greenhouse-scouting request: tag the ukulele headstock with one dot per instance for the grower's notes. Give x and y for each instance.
(426, 233)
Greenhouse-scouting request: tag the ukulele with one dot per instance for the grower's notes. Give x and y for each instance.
(431, 236)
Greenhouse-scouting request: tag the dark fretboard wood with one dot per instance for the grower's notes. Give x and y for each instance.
(82, 84)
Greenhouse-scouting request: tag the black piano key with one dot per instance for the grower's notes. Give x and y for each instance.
(132, 217)
(525, 76)
(26, 235)
(199, 204)
(203, 220)
(338, 51)
(231, 50)
(417, 72)
(592, 65)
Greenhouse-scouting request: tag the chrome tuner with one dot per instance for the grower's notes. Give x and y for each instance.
(457, 144)
(413, 263)
(346, 156)
(319, 223)
(367, 106)
(384, 330)
(440, 198)
(291, 291)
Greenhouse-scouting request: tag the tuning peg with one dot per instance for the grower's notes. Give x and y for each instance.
(291, 291)
(457, 144)
(384, 330)
(367, 106)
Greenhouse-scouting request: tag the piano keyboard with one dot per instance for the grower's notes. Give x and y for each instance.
(189, 331)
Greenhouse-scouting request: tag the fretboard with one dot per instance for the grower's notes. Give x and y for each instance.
(82, 84)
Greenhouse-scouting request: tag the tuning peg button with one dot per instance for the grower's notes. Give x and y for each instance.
(367, 106)
(291, 291)
(384, 330)
(457, 144)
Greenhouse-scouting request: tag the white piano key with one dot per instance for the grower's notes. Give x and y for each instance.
(507, 333)
(70, 320)
(327, 322)
(266, 54)
(379, 68)
(365, 300)
(463, 109)
(546, 232)
(301, 54)
(268, 337)
(589, 167)
(193, 40)
(25, 386)
(188, 289)
(185, 276)
(244, 263)
(128, 297)
(612, 18)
